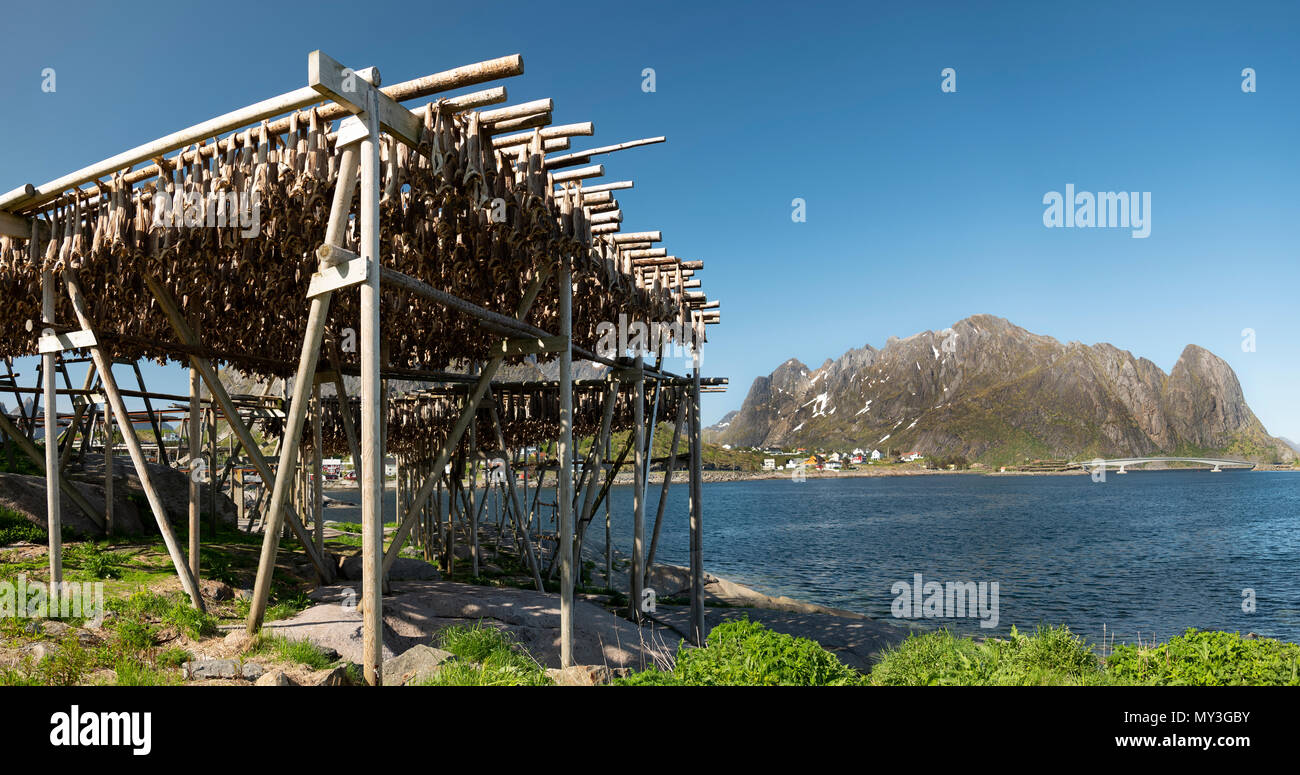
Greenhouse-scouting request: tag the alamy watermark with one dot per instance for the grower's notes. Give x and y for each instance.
(954, 600)
(40, 600)
(1102, 210)
(217, 209)
(672, 340)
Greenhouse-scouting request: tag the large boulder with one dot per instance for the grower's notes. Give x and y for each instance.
(25, 495)
(414, 665)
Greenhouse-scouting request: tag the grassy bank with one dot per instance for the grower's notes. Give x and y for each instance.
(745, 653)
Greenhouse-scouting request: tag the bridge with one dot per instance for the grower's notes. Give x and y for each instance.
(1122, 463)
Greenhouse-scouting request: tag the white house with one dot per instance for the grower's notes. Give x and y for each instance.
(875, 454)
(769, 464)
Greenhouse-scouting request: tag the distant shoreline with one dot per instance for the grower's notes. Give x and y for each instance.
(714, 475)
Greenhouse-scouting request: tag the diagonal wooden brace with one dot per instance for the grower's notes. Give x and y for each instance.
(237, 426)
(104, 365)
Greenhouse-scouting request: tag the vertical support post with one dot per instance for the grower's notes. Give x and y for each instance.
(212, 465)
(195, 434)
(318, 472)
(609, 522)
(53, 497)
(372, 453)
(697, 509)
(564, 494)
(638, 488)
(108, 470)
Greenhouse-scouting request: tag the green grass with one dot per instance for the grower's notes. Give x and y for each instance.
(14, 528)
(144, 606)
(485, 656)
(303, 652)
(745, 653)
(1051, 656)
(1208, 658)
(1055, 656)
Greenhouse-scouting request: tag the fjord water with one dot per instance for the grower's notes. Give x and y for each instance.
(1145, 554)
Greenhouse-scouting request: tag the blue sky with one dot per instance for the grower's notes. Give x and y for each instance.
(923, 207)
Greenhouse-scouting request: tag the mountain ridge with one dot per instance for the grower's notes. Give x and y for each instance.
(989, 390)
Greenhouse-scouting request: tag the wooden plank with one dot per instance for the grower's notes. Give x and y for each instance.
(347, 87)
(339, 276)
(72, 340)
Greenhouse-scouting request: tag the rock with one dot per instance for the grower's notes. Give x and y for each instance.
(336, 676)
(88, 639)
(55, 630)
(33, 628)
(581, 675)
(243, 594)
(414, 665)
(211, 669)
(404, 569)
(274, 678)
(251, 671)
(238, 640)
(38, 651)
(216, 590)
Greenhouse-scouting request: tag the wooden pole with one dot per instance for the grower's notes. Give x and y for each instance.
(697, 510)
(565, 484)
(638, 489)
(609, 523)
(212, 467)
(372, 452)
(53, 501)
(195, 434)
(318, 472)
(108, 470)
(104, 364)
(669, 468)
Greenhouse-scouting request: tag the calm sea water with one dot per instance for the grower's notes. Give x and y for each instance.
(1149, 553)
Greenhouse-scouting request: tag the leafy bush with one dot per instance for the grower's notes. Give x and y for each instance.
(745, 653)
(1051, 656)
(14, 527)
(1208, 658)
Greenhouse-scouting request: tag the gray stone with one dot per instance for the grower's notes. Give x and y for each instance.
(414, 665)
(38, 651)
(251, 671)
(211, 668)
(55, 630)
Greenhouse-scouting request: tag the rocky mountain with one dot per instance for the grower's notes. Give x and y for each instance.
(992, 391)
